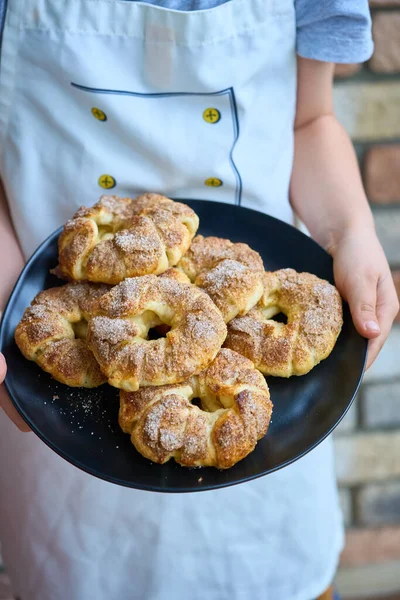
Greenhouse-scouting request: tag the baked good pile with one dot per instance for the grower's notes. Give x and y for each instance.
(183, 325)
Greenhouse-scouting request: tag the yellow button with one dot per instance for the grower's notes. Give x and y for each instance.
(99, 114)
(211, 115)
(106, 181)
(213, 182)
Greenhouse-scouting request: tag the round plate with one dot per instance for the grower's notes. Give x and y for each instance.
(82, 425)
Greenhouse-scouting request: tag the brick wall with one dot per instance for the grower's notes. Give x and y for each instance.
(367, 101)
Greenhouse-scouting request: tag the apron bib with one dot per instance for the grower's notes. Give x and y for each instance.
(101, 95)
(122, 96)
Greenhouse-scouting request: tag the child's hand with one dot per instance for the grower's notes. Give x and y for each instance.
(363, 277)
(5, 401)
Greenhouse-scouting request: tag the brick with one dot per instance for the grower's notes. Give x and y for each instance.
(346, 505)
(371, 546)
(369, 582)
(5, 587)
(379, 3)
(388, 229)
(367, 457)
(369, 111)
(349, 422)
(346, 70)
(379, 504)
(396, 279)
(382, 174)
(381, 405)
(386, 34)
(387, 365)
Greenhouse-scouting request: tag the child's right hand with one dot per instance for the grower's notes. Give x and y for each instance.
(5, 401)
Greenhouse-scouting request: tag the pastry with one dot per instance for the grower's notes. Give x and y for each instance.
(53, 331)
(313, 308)
(118, 332)
(119, 238)
(234, 413)
(231, 274)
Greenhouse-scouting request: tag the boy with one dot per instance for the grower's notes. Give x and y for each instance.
(115, 94)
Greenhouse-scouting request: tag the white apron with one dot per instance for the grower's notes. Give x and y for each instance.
(111, 95)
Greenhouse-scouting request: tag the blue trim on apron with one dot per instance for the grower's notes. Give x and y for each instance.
(3, 12)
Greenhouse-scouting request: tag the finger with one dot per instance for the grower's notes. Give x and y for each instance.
(6, 403)
(375, 346)
(12, 413)
(3, 368)
(386, 312)
(361, 297)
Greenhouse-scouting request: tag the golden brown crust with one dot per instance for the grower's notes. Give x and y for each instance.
(176, 222)
(235, 414)
(231, 274)
(118, 333)
(175, 274)
(120, 237)
(52, 333)
(314, 319)
(232, 286)
(206, 252)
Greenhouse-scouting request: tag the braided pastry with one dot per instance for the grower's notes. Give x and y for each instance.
(119, 238)
(235, 413)
(229, 273)
(314, 319)
(206, 252)
(175, 274)
(53, 330)
(118, 333)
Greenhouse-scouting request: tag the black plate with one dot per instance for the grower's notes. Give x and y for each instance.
(82, 427)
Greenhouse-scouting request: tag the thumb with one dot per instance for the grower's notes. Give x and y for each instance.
(3, 368)
(362, 301)
(5, 402)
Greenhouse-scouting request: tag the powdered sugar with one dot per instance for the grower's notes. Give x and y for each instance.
(37, 311)
(169, 440)
(226, 273)
(114, 331)
(200, 328)
(80, 408)
(315, 320)
(152, 422)
(131, 241)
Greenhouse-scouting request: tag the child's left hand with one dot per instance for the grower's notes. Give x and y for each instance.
(363, 277)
